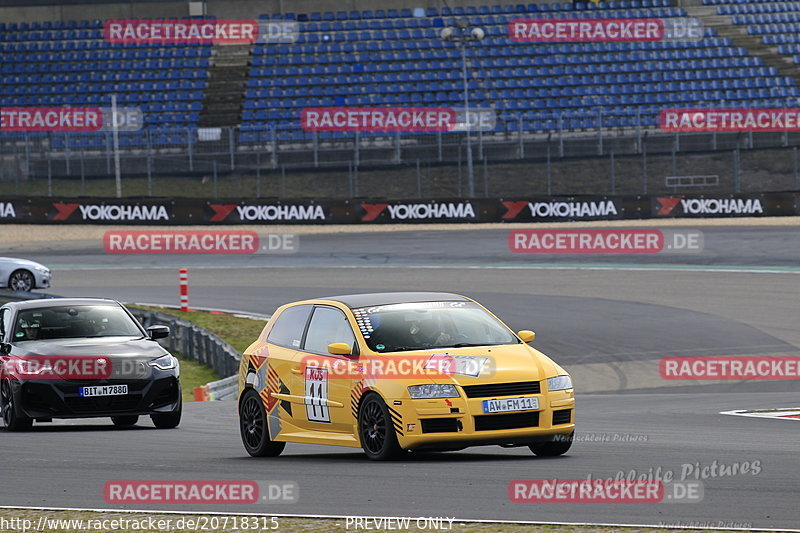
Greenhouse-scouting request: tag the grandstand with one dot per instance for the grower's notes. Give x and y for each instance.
(70, 64)
(777, 23)
(395, 57)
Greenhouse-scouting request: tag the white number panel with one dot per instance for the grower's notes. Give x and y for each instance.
(317, 394)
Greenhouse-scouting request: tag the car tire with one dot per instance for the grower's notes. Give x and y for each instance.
(254, 428)
(21, 281)
(12, 420)
(124, 421)
(553, 448)
(375, 430)
(168, 420)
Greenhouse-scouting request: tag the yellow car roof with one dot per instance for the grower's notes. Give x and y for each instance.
(355, 301)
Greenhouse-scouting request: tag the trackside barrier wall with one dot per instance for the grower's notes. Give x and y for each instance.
(15, 296)
(223, 389)
(183, 211)
(192, 341)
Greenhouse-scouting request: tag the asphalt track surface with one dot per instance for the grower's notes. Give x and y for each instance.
(607, 319)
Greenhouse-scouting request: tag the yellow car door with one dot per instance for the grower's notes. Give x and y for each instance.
(274, 377)
(325, 379)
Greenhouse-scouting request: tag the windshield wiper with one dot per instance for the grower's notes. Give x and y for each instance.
(466, 344)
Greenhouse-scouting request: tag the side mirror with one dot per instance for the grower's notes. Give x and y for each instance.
(340, 348)
(526, 335)
(5, 348)
(158, 332)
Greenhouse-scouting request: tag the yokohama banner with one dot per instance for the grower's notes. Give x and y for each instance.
(565, 208)
(739, 205)
(188, 211)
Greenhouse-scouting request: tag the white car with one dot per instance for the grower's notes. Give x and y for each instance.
(23, 275)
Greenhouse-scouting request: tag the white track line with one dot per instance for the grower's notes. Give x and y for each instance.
(774, 415)
(457, 520)
(664, 268)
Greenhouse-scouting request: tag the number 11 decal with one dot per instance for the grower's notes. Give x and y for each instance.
(317, 394)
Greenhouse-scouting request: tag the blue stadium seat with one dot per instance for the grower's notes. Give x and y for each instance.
(391, 57)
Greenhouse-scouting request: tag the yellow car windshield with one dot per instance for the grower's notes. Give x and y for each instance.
(430, 325)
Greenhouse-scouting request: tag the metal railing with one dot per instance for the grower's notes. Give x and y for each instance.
(223, 389)
(192, 341)
(243, 161)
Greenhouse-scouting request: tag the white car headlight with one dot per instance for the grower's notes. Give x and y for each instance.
(42, 269)
(432, 391)
(165, 362)
(559, 383)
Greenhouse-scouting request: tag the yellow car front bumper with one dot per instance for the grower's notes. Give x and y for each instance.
(455, 423)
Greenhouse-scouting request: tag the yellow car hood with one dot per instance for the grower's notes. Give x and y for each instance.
(502, 364)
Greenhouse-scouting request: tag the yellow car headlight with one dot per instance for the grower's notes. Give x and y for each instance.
(433, 391)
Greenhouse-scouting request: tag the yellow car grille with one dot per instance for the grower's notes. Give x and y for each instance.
(502, 389)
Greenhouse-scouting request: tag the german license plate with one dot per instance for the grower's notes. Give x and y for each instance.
(505, 405)
(103, 390)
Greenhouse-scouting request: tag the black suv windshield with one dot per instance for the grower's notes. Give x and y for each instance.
(71, 322)
(429, 325)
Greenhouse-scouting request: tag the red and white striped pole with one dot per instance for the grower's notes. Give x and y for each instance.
(184, 286)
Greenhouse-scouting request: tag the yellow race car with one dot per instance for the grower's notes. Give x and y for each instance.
(398, 372)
